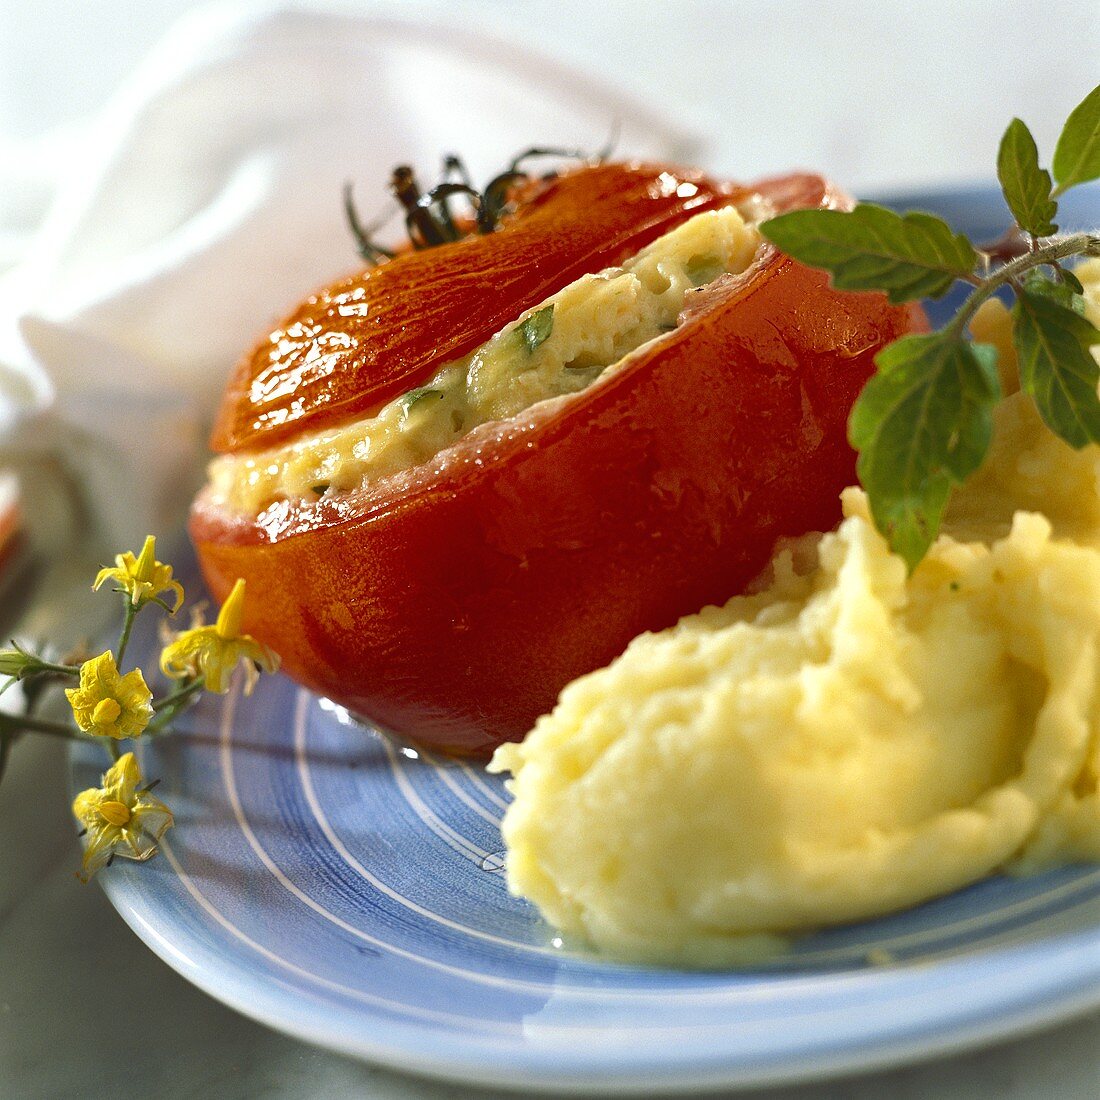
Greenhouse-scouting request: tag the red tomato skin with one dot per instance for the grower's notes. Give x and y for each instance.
(452, 608)
(359, 343)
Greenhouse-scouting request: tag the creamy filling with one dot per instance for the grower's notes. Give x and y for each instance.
(560, 347)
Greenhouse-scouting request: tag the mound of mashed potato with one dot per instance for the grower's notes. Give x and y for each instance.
(843, 743)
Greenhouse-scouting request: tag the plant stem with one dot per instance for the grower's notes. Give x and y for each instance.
(167, 708)
(185, 691)
(64, 670)
(1058, 248)
(12, 724)
(127, 626)
(7, 739)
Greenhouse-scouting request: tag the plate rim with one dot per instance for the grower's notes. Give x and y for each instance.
(984, 1029)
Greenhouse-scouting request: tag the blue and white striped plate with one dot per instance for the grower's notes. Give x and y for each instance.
(350, 892)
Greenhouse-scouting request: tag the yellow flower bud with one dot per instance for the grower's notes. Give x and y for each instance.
(108, 704)
(114, 813)
(105, 712)
(142, 578)
(146, 564)
(213, 652)
(228, 624)
(121, 817)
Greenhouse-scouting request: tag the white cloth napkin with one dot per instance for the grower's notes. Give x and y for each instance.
(206, 200)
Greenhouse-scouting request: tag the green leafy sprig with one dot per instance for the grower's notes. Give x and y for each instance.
(924, 422)
(535, 329)
(415, 397)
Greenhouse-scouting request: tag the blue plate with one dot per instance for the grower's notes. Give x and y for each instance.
(349, 891)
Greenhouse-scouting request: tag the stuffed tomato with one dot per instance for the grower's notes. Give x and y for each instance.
(465, 477)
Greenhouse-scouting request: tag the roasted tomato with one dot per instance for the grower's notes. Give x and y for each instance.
(450, 602)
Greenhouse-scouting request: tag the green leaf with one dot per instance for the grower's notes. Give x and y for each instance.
(1077, 155)
(1056, 366)
(871, 248)
(1026, 186)
(13, 662)
(536, 329)
(923, 423)
(414, 397)
(1069, 293)
(19, 664)
(1071, 280)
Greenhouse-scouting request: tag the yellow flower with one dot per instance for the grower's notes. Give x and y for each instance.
(119, 818)
(107, 704)
(143, 577)
(213, 652)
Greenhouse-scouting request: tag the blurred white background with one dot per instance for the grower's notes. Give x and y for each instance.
(880, 95)
(876, 92)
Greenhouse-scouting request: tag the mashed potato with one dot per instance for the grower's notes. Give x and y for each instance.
(846, 742)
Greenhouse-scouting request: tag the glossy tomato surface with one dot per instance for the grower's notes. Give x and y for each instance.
(452, 603)
(359, 343)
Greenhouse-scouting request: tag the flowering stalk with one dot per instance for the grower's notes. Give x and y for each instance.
(127, 625)
(12, 725)
(167, 707)
(112, 706)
